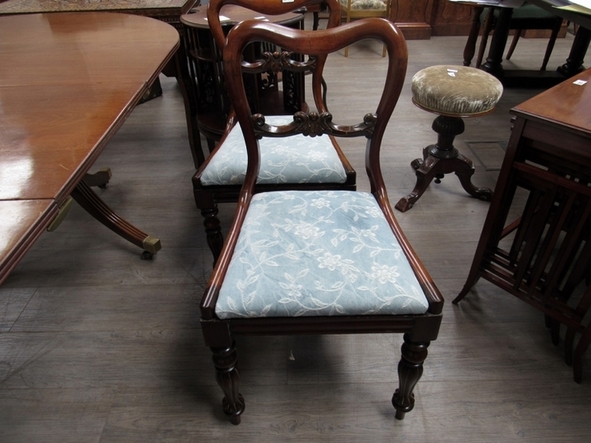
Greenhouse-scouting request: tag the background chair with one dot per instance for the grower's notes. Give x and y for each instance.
(523, 18)
(356, 9)
(321, 165)
(206, 80)
(320, 261)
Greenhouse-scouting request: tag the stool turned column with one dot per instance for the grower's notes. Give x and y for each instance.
(454, 93)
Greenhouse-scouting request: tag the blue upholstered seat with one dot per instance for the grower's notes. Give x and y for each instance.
(296, 159)
(318, 253)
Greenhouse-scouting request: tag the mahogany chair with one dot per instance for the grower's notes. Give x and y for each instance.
(321, 164)
(311, 262)
(357, 9)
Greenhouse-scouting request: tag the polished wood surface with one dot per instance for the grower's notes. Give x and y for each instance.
(233, 14)
(21, 223)
(413, 17)
(168, 11)
(67, 83)
(567, 104)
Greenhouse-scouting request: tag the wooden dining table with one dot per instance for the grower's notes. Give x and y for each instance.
(67, 83)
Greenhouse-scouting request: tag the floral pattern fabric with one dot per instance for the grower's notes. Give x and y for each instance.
(296, 159)
(318, 253)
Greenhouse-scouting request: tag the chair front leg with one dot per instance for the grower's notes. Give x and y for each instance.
(410, 370)
(227, 377)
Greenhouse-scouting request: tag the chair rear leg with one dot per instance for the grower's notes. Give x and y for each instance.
(205, 202)
(213, 231)
(410, 370)
(516, 37)
(550, 46)
(227, 377)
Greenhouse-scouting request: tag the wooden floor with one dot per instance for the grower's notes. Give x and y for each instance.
(97, 345)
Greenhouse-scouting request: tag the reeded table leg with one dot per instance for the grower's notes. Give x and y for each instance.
(99, 210)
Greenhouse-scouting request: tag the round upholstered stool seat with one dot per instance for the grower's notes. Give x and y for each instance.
(452, 92)
(455, 91)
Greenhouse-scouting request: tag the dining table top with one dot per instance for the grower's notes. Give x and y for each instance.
(67, 83)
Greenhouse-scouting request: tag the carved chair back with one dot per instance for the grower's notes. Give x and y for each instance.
(219, 178)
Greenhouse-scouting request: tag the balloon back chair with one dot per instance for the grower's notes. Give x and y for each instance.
(311, 262)
(319, 164)
(356, 9)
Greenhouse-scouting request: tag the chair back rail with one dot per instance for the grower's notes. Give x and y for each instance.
(269, 7)
(272, 7)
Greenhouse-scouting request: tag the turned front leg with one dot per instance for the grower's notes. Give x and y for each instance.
(225, 360)
(410, 370)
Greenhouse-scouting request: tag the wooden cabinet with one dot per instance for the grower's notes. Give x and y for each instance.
(413, 17)
(421, 19)
(451, 18)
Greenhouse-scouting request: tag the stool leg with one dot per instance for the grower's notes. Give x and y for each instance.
(425, 172)
(440, 159)
(464, 169)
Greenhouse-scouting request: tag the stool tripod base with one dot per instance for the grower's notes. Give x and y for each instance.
(453, 93)
(434, 165)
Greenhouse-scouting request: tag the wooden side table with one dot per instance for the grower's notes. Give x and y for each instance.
(536, 241)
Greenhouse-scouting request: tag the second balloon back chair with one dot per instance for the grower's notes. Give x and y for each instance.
(317, 163)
